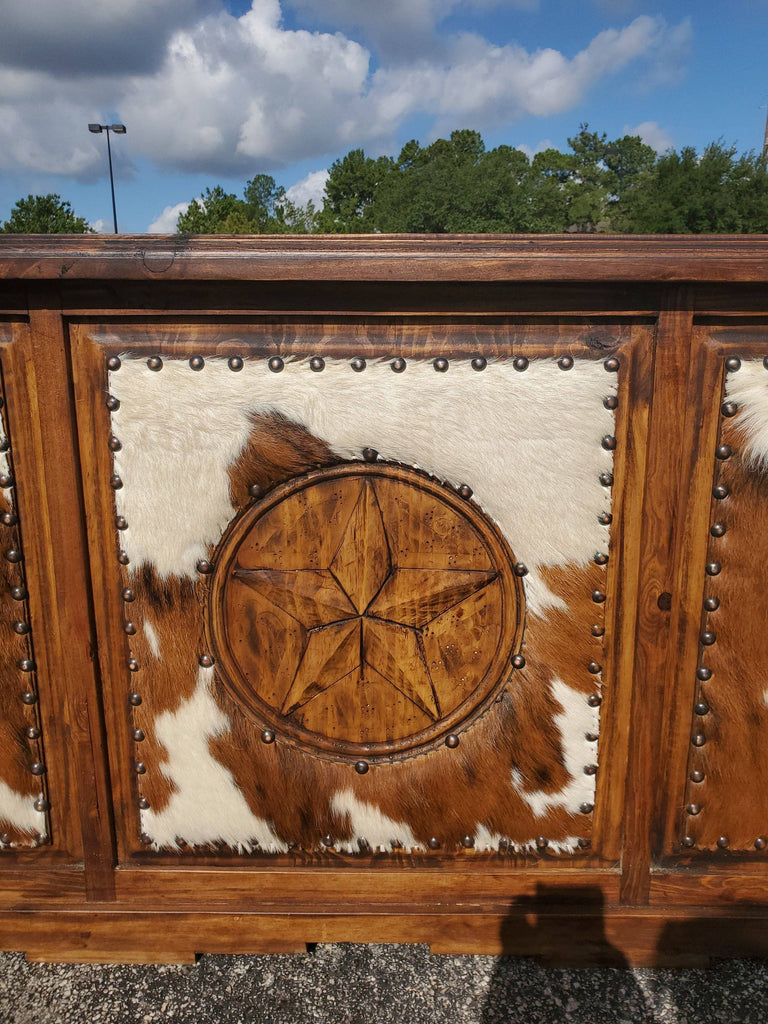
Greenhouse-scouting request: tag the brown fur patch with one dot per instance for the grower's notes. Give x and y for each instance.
(734, 796)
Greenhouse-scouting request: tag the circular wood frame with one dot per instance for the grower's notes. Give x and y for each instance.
(225, 614)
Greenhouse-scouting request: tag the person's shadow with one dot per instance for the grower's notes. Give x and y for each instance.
(547, 988)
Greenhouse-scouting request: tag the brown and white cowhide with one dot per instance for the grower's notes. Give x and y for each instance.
(19, 789)
(733, 795)
(528, 444)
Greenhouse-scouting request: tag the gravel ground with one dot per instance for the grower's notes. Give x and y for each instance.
(357, 984)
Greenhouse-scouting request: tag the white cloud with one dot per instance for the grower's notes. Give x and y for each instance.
(652, 135)
(531, 152)
(241, 95)
(310, 188)
(101, 226)
(165, 224)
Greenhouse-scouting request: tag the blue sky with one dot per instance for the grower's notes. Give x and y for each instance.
(215, 91)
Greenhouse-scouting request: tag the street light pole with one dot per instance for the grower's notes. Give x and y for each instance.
(118, 129)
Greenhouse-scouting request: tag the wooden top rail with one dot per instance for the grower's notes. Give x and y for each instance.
(671, 258)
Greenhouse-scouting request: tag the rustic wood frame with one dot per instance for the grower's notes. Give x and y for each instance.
(684, 305)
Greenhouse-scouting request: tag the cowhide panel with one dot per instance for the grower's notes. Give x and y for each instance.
(23, 819)
(190, 445)
(727, 794)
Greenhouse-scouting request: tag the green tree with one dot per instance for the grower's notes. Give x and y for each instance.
(45, 215)
(264, 209)
(353, 183)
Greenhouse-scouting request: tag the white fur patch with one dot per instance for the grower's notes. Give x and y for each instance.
(748, 387)
(19, 811)
(207, 806)
(573, 723)
(527, 443)
(152, 638)
(4, 465)
(488, 842)
(369, 823)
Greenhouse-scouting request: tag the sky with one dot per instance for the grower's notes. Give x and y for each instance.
(216, 91)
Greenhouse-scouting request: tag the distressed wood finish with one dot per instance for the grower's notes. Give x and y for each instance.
(145, 665)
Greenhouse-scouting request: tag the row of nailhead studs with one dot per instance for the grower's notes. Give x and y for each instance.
(276, 364)
(21, 628)
(720, 491)
(134, 698)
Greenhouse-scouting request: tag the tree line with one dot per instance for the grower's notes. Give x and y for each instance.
(458, 185)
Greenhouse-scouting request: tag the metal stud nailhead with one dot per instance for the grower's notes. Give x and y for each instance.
(611, 402)
(370, 454)
(693, 809)
(121, 523)
(609, 442)
(479, 363)
(145, 840)
(699, 739)
(155, 363)
(13, 555)
(688, 842)
(139, 767)
(32, 732)
(135, 699)
(590, 769)
(521, 569)
(708, 639)
(112, 403)
(358, 364)
(606, 479)
(276, 364)
(729, 409)
(267, 736)
(361, 767)
(41, 805)
(594, 668)
(760, 843)
(468, 842)
(605, 519)
(143, 803)
(133, 665)
(701, 708)
(585, 843)
(6, 480)
(720, 492)
(697, 775)
(196, 363)
(29, 698)
(327, 841)
(711, 604)
(586, 808)
(713, 569)
(597, 595)
(26, 665)
(5, 444)
(9, 518)
(398, 365)
(317, 363)
(518, 661)
(703, 673)
(611, 364)
(18, 593)
(255, 492)
(113, 363)
(441, 365)
(452, 741)
(594, 700)
(128, 594)
(129, 628)
(123, 558)
(138, 735)
(601, 558)
(204, 567)
(235, 363)
(717, 529)
(22, 628)
(37, 768)
(723, 451)
(465, 491)
(205, 661)
(598, 630)
(565, 362)
(520, 363)
(115, 482)
(5, 839)
(542, 843)
(722, 842)
(434, 844)
(733, 363)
